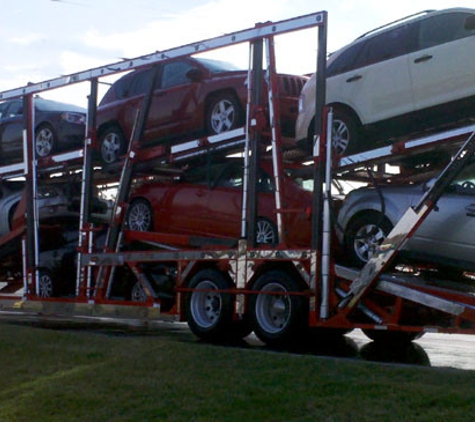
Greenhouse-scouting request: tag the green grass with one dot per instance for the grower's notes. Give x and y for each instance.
(111, 375)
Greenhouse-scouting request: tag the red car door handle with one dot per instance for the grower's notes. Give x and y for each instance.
(424, 58)
(200, 193)
(354, 78)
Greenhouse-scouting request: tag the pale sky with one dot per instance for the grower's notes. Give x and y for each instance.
(42, 39)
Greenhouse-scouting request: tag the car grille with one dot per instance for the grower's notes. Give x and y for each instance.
(291, 85)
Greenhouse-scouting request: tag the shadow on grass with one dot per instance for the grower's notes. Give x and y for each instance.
(341, 346)
(322, 344)
(411, 353)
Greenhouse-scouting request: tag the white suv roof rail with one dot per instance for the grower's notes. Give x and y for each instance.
(406, 18)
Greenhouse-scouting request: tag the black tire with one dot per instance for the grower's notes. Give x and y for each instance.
(45, 140)
(112, 144)
(11, 215)
(45, 284)
(210, 313)
(140, 215)
(392, 337)
(279, 319)
(266, 232)
(363, 235)
(345, 132)
(223, 114)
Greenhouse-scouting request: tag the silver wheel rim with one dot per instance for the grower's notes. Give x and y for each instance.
(140, 217)
(206, 305)
(45, 286)
(265, 232)
(273, 311)
(222, 116)
(44, 142)
(341, 136)
(110, 147)
(138, 293)
(367, 241)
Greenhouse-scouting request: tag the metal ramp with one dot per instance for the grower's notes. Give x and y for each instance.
(374, 270)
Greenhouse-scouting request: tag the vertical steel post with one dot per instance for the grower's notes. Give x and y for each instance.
(32, 221)
(325, 272)
(319, 149)
(85, 227)
(318, 145)
(255, 141)
(274, 114)
(245, 184)
(88, 168)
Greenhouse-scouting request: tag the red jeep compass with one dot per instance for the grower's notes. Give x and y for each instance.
(192, 97)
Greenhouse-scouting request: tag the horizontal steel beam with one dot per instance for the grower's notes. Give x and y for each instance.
(259, 31)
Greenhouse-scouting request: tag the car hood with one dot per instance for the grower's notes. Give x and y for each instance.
(392, 200)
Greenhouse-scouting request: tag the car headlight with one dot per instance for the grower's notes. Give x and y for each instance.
(302, 103)
(72, 117)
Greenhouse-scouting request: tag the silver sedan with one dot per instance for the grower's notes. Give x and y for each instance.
(445, 238)
(55, 201)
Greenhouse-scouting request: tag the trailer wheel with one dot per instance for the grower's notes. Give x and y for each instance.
(209, 312)
(46, 284)
(223, 114)
(45, 140)
(112, 144)
(392, 337)
(276, 316)
(140, 215)
(364, 235)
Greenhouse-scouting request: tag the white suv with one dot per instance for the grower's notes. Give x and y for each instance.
(412, 74)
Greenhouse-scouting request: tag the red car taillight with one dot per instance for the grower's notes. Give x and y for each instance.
(308, 213)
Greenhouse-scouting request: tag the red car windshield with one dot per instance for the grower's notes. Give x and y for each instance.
(217, 66)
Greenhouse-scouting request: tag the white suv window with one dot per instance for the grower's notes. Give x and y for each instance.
(345, 62)
(385, 46)
(375, 49)
(441, 29)
(442, 69)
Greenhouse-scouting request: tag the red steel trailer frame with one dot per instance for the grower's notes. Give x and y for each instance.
(230, 290)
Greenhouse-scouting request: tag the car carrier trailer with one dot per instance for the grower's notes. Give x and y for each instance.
(228, 288)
